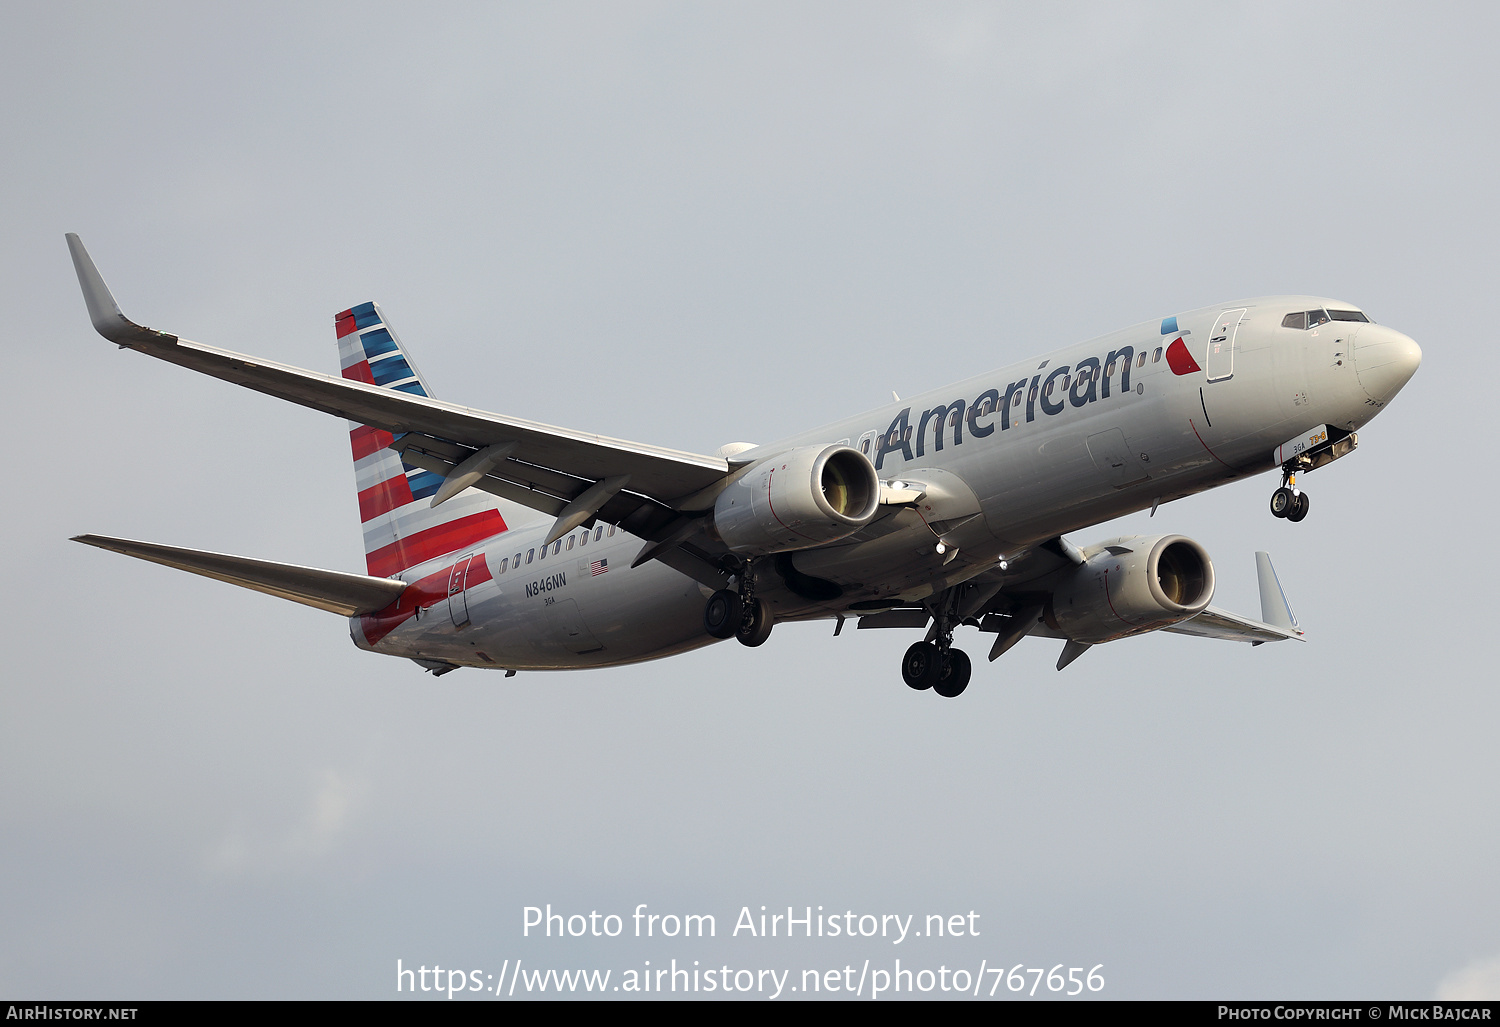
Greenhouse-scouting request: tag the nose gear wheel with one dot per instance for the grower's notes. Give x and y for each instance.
(1289, 501)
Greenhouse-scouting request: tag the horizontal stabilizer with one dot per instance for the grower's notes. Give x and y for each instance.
(334, 591)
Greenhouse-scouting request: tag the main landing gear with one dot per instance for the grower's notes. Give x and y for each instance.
(937, 665)
(738, 614)
(1289, 501)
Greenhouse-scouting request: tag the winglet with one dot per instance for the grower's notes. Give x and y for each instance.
(1274, 609)
(103, 310)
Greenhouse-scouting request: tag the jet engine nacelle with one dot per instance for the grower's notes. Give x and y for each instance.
(1128, 586)
(799, 499)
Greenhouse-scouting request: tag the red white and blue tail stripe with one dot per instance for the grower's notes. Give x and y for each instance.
(400, 527)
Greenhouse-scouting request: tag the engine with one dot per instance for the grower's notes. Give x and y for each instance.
(1128, 586)
(803, 498)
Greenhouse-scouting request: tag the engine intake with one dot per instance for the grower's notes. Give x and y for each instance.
(799, 499)
(1129, 586)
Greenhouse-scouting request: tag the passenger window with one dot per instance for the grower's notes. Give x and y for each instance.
(864, 446)
(1297, 320)
(1033, 394)
(598, 533)
(529, 554)
(504, 565)
(1067, 380)
(611, 530)
(1110, 370)
(517, 560)
(557, 547)
(1018, 400)
(953, 419)
(1140, 361)
(1316, 317)
(1156, 357)
(583, 539)
(544, 554)
(1047, 389)
(570, 543)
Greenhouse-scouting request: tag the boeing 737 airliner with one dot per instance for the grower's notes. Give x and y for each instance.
(496, 542)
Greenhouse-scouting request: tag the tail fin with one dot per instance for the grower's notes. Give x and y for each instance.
(401, 528)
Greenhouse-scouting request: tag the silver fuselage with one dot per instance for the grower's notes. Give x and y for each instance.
(1007, 463)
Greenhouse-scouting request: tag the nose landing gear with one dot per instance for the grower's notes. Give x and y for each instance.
(1289, 501)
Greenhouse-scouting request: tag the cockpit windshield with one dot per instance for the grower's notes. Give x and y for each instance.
(1313, 318)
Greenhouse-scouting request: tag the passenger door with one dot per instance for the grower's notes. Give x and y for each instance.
(1218, 363)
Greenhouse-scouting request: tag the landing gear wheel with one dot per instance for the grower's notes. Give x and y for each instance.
(756, 623)
(1283, 502)
(723, 614)
(955, 674)
(1299, 508)
(922, 665)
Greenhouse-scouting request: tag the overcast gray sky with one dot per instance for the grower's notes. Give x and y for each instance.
(690, 224)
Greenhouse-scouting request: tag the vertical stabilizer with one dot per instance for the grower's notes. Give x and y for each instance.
(401, 527)
(1274, 609)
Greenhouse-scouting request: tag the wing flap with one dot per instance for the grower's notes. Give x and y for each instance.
(335, 591)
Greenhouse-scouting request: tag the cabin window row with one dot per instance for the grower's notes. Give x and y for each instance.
(539, 554)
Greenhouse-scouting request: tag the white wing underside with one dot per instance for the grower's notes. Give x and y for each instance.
(1216, 623)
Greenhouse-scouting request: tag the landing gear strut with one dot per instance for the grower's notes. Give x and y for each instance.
(738, 613)
(1289, 501)
(936, 664)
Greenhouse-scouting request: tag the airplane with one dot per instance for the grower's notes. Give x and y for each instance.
(503, 543)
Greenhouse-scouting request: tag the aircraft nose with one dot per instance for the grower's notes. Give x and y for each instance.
(1385, 360)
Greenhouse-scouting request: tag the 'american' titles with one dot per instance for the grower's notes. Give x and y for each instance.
(1079, 384)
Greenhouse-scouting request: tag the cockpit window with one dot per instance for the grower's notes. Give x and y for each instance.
(1348, 315)
(1313, 318)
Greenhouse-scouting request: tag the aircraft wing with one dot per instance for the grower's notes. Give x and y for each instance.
(547, 468)
(1216, 623)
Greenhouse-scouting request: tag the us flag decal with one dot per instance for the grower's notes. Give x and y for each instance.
(598, 567)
